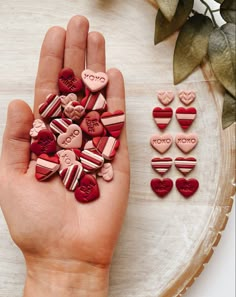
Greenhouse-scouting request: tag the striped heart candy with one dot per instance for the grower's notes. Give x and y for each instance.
(59, 126)
(162, 116)
(106, 146)
(71, 175)
(113, 122)
(161, 165)
(91, 161)
(165, 97)
(94, 101)
(46, 166)
(186, 116)
(51, 108)
(185, 165)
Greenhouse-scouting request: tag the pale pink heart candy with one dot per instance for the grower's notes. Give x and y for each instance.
(72, 138)
(165, 97)
(38, 125)
(161, 143)
(67, 158)
(186, 142)
(187, 97)
(89, 145)
(106, 172)
(74, 110)
(95, 81)
(67, 99)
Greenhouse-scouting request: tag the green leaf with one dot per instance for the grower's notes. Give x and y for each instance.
(229, 110)
(222, 55)
(168, 8)
(219, 1)
(164, 28)
(191, 46)
(228, 11)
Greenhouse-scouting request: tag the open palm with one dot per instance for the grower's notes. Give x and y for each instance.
(44, 219)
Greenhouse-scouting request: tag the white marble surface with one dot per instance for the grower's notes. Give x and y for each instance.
(158, 237)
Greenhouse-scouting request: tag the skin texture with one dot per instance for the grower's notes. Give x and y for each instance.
(68, 246)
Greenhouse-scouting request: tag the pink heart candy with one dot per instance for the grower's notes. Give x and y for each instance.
(186, 142)
(161, 143)
(67, 158)
(106, 172)
(72, 138)
(187, 97)
(74, 110)
(165, 97)
(67, 99)
(38, 125)
(95, 81)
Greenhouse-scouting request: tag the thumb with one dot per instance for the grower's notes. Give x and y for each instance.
(16, 140)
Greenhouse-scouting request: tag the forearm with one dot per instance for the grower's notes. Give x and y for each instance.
(77, 280)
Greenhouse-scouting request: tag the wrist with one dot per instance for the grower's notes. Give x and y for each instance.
(46, 278)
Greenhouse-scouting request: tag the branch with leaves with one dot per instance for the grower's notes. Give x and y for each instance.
(200, 37)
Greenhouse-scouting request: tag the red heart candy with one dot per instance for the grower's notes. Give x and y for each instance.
(87, 190)
(46, 166)
(161, 165)
(68, 82)
(45, 143)
(91, 124)
(186, 116)
(187, 187)
(161, 186)
(162, 116)
(185, 165)
(113, 122)
(106, 146)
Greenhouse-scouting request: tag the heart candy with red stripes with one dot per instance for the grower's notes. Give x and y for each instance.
(68, 82)
(91, 161)
(106, 146)
(113, 122)
(46, 166)
(161, 165)
(94, 101)
(60, 125)
(51, 108)
(185, 165)
(71, 175)
(185, 116)
(162, 116)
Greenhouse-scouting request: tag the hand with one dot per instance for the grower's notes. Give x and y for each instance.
(67, 245)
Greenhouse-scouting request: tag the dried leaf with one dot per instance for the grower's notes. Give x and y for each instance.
(228, 11)
(229, 110)
(168, 8)
(164, 28)
(191, 46)
(219, 1)
(222, 55)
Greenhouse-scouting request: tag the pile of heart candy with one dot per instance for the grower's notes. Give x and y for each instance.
(77, 137)
(185, 142)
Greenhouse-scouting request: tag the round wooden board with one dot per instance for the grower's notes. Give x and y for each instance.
(164, 243)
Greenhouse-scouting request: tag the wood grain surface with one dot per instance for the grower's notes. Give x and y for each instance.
(164, 243)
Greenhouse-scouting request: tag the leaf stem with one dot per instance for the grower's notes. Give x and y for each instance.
(211, 12)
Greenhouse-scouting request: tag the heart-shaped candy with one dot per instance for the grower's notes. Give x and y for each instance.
(87, 190)
(186, 142)
(95, 81)
(72, 138)
(65, 99)
(59, 126)
(91, 161)
(71, 175)
(187, 97)
(74, 110)
(67, 158)
(165, 97)
(161, 143)
(161, 165)
(38, 125)
(187, 187)
(45, 143)
(106, 146)
(161, 186)
(68, 82)
(91, 124)
(185, 165)
(106, 172)
(46, 166)
(162, 116)
(185, 116)
(51, 108)
(94, 101)
(113, 122)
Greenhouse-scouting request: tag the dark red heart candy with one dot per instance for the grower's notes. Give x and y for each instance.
(87, 190)
(91, 124)
(45, 143)
(161, 186)
(187, 187)
(68, 82)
